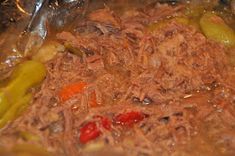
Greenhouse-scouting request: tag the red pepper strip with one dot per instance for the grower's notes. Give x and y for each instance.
(129, 118)
(89, 132)
(69, 91)
(105, 122)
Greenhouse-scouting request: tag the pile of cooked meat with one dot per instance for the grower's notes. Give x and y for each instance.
(170, 82)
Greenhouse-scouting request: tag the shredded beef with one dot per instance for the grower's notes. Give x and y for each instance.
(173, 74)
(163, 66)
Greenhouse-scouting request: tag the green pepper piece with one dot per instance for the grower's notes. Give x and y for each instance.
(73, 50)
(15, 110)
(161, 24)
(25, 76)
(182, 20)
(48, 51)
(13, 98)
(4, 103)
(216, 29)
(28, 136)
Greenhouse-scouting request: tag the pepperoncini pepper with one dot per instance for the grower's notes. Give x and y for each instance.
(216, 29)
(14, 97)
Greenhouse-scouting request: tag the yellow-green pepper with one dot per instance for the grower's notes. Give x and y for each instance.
(15, 110)
(161, 24)
(216, 29)
(28, 136)
(4, 104)
(48, 51)
(182, 20)
(73, 50)
(14, 97)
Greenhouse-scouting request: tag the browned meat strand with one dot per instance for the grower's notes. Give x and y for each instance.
(173, 74)
(163, 65)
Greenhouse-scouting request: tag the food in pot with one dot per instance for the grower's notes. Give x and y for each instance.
(145, 81)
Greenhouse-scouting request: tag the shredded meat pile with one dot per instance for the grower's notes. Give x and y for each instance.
(173, 74)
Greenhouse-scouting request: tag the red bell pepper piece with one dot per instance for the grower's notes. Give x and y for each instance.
(129, 118)
(105, 122)
(69, 91)
(89, 132)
